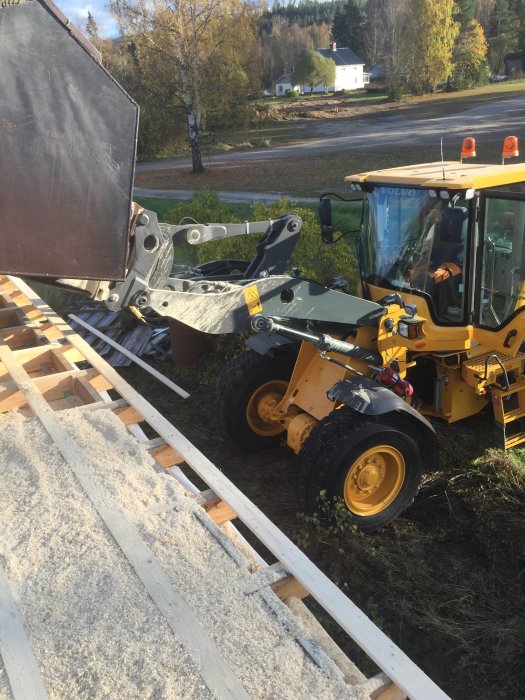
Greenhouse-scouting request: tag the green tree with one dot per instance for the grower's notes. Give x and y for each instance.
(313, 69)
(470, 52)
(465, 12)
(180, 52)
(503, 34)
(483, 13)
(283, 43)
(347, 29)
(91, 27)
(430, 35)
(384, 31)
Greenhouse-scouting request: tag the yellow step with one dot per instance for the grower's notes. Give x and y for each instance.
(513, 415)
(474, 368)
(513, 389)
(514, 440)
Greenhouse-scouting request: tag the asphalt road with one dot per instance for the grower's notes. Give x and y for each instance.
(494, 120)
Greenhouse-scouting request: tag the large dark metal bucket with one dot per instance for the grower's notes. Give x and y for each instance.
(67, 150)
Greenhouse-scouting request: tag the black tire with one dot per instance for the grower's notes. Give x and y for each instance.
(236, 387)
(330, 461)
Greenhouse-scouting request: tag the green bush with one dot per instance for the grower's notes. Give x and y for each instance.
(314, 259)
(292, 93)
(395, 92)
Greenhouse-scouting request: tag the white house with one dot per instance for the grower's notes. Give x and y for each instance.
(349, 73)
(283, 84)
(349, 67)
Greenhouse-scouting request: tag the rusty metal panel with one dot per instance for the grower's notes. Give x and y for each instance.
(67, 151)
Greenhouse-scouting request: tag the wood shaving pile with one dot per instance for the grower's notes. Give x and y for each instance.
(93, 629)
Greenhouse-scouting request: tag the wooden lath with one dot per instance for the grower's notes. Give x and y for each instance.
(302, 576)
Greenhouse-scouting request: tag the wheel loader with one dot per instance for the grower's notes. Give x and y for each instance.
(351, 380)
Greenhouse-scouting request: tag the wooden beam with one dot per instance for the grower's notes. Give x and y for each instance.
(219, 511)
(128, 415)
(166, 456)
(10, 316)
(218, 676)
(392, 660)
(289, 587)
(391, 692)
(20, 664)
(118, 403)
(52, 386)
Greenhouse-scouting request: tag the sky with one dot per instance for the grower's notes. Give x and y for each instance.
(77, 11)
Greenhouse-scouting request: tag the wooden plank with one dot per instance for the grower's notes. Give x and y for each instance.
(53, 386)
(132, 357)
(20, 664)
(219, 511)
(166, 456)
(391, 692)
(128, 415)
(289, 587)
(10, 316)
(117, 403)
(85, 392)
(42, 359)
(217, 674)
(392, 660)
(19, 337)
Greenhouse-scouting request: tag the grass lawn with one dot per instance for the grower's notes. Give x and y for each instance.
(306, 176)
(344, 215)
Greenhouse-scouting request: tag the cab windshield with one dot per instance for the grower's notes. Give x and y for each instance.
(416, 243)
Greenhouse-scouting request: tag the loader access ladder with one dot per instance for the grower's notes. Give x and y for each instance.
(503, 377)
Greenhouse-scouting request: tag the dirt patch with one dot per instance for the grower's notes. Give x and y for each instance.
(423, 106)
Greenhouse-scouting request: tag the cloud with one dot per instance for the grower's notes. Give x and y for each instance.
(78, 13)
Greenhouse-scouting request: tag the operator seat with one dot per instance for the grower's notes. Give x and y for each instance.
(448, 262)
(449, 244)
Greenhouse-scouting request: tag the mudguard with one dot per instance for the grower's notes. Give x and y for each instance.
(266, 343)
(366, 396)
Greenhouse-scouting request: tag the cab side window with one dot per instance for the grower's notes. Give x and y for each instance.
(502, 264)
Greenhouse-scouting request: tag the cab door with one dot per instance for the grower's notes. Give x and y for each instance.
(501, 269)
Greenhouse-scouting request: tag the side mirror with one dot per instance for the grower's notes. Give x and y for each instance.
(325, 219)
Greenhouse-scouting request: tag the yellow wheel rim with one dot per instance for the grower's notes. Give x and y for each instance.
(261, 405)
(374, 480)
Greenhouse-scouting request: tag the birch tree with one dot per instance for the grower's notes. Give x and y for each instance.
(470, 54)
(430, 36)
(179, 47)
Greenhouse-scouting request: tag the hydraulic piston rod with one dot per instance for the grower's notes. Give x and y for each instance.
(324, 342)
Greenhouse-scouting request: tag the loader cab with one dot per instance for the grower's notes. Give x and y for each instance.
(417, 242)
(451, 233)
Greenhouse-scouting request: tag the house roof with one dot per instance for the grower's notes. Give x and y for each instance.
(342, 57)
(286, 78)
